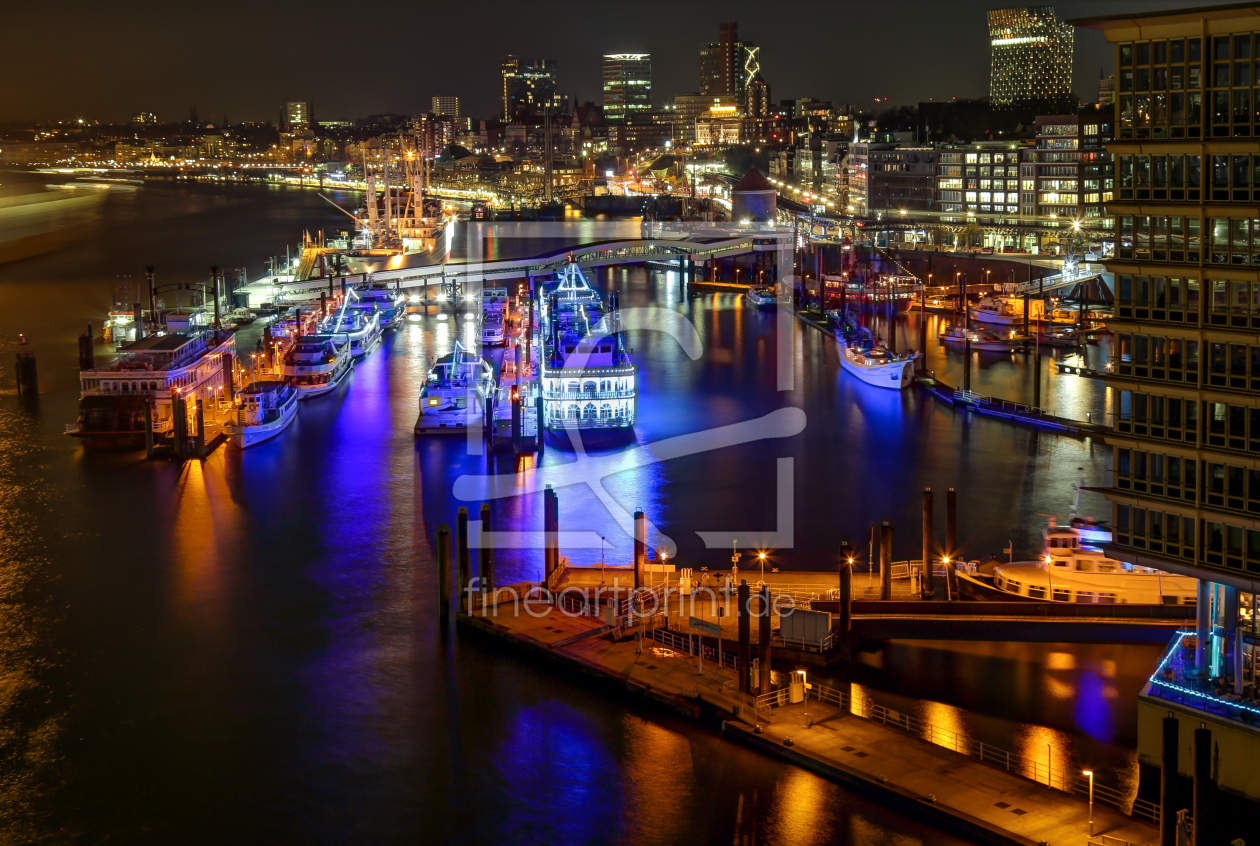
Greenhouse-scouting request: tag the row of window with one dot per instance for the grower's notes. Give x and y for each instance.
(1159, 238)
(1226, 365)
(1155, 531)
(1156, 416)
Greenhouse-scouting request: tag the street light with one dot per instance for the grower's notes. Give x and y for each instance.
(761, 559)
(1090, 773)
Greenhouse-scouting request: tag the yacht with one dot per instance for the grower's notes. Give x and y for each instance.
(389, 303)
(360, 326)
(317, 364)
(455, 394)
(1007, 311)
(982, 339)
(266, 409)
(762, 296)
(586, 376)
(874, 363)
(493, 313)
(933, 304)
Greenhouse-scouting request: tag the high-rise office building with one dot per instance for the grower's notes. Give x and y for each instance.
(728, 65)
(529, 86)
(1184, 385)
(1031, 55)
(627, 86)
(297, 116)
(448, 106)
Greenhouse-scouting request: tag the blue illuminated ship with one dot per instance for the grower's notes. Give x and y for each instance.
(361, 326)
(586, 377)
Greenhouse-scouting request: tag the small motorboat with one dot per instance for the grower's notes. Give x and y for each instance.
(762, 296)
(266, 409)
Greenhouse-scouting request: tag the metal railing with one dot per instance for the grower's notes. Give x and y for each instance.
(1057, 778)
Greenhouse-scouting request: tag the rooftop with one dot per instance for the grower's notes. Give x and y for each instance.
(159, 343)
(1225, 10)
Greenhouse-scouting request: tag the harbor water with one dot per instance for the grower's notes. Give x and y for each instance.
(245, 649)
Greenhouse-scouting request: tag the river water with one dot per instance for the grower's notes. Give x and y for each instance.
(243, 648)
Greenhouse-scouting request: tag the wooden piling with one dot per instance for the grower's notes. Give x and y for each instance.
(1204, 788)
(148, 429)
(87, 355)
(951, 542)
(745, 632)
(464, 559)
(1168, 804)
(485, 553)
(885, 559)
(763, 641)
(444, 571)
(199, 445)
(929, 544)
(640, 547)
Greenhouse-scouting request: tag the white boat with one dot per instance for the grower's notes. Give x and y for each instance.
(455, 393)
(493, 307)
(876, 365)
(317, 364)
(360, 326)
(389, 303)
(1007, 311)
(934, 304)
(762, 296)
(982, 339)
(266, 410)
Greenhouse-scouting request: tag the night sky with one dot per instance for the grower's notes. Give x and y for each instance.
(107, 61)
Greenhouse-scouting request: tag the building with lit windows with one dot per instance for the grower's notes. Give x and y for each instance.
(884, 176)
(448, 106)
(1030, 55)
(1184, 384)
(691, 107)
(728, 65)
(627, 86)
(297, 116)
(528, 86)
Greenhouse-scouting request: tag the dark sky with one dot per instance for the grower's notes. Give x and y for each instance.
(109, 60)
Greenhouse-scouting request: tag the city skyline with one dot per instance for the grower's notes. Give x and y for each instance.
(798, 61)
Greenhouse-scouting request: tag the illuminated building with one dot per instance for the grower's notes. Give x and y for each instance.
(886, 176)
(529, 86)
(1031, 55)
(1183, 382)
(728, 64)
(690, 108)
(297, 116)
(446, 106)
(627, 86)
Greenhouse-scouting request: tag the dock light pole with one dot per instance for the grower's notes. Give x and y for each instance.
(1090, 773)
(761, 559)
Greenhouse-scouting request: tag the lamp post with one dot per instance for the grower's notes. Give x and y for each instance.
(1090, 773)
(761, 559)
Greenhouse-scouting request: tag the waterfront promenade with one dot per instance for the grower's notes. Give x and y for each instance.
(919, 778)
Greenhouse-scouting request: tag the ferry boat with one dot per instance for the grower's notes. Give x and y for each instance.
(587, 378)
(934, 304)
(317, 364)
(360, 326)
(983, 339)
(266, 410)
(762, 296)
(1073, 568)
(1007, 311)
(146, 374)
(455, 393)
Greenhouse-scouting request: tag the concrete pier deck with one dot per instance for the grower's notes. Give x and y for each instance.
(946, 788)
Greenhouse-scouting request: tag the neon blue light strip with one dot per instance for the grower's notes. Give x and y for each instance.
(1186, 691)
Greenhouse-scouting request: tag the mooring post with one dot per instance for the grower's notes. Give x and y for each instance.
(846, 590)
(763, 641)
(745, 632)
(885, 559)
(148, 429)
(199, 448)
(485, 551)
(640, 548)
(551, 515)
(87, 355)
(1204, 788)
(444, 571)
(465, 561)
(1168, 804)
(929, 545)
(27, 372)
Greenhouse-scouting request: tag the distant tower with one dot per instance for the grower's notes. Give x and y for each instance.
(448, 106)
(297, 116)
(1031, 55)
(728, 64)
(192, 116)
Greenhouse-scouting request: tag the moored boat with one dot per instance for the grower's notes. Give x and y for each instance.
(984, 340)
(874, 363)
(266, 409)
(455, 393)
(361, 327)
(762, 296)
(317, 364)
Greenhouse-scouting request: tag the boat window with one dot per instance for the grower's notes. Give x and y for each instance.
(1106, 599)
(1063, 594)
(1085, 596)
(1036, 591)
